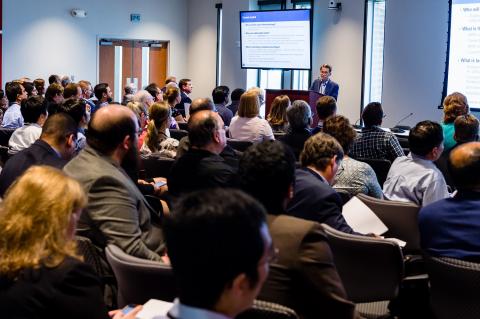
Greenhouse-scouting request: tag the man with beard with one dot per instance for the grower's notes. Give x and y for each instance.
(104, 95)
(117, 213)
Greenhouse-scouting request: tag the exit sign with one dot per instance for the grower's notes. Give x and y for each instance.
(135, 17)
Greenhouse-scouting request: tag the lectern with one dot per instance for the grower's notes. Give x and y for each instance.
(310, 97)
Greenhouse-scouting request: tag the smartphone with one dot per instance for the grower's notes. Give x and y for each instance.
(128, 308)
(160, 184)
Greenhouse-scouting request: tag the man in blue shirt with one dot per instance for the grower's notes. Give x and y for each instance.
(16, 94)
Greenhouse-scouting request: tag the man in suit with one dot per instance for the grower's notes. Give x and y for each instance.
(450, 226)
(54, 147)
(324, 85)
(117, 213)
(186, 88)
(314, 199)
(303, 276)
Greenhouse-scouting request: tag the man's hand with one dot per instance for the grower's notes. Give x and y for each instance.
(117, 314)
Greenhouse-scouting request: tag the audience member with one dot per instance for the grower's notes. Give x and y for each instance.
(117, 213)
(144, 98)
(220, 250)
(449, 227)
(415, 178)
(201, 166)
(170, 80)
(299, 119)
(40, 86)
(326, 106)
(41, 275)
(30, 89)
(454, 105)
(139, 111)
(466, 130)
(374, 142)
(157, 142)
(352, 176)
(54, 97)
(34, 113)
(54, 148)
(303, 276)
(3, 104)
(186, 87)
(314, 199)
(72, 90)
(220, 98)
(172, 96)
(77, 109)
(277, 118)
(155, 92)
(65, 80)
(12, 118)
(128, 94)
(246, 125)
(54, 78)
(104, 94)
(235, 100)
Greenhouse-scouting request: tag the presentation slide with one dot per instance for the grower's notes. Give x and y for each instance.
(275, 39)
(464, 58)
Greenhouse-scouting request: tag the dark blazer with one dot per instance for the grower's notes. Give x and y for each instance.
(304, 276)
(315, 200)
(181, 106)
(39, 153)
(199, 169)
(331, 88)
(295, 140)
(70, 290)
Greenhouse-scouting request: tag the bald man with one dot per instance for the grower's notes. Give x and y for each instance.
(451, 227)
(117, 213)
(202, 166)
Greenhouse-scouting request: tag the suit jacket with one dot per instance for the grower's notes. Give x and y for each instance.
(304, 276)
(70, 290)
(39, 153)
(331, 88)
(181, 106)
(315, 200)
(117, 213)
(450, 227)
(295, 140)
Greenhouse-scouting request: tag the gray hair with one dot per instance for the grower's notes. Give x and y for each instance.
(299, 115)
(142, 96)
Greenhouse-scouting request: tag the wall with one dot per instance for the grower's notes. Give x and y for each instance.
(41, 38)
(414, 59)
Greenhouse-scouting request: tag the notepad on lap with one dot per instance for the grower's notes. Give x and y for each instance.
(361, 218)
(154, 308)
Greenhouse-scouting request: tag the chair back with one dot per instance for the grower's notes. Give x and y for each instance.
(454, 287)
(178, 134)
(154, 166)
(267, 310)
(399, 217)
(182, 126)
(239, 145)
(371, 269)
(279, 135)
(344, 195)
(380, 166)
(5, 134)
(139, 279)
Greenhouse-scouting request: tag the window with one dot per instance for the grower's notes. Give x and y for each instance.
(374, 43)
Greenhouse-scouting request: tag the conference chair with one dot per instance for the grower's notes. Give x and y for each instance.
(454, 287)
(239, 145)
(399, 217)
(371, 269)
(278, 135)
(140, 279)
(183, 126)
(178, 134)
(5, 134)
(267, 310)
(153, 166)
(380, 166)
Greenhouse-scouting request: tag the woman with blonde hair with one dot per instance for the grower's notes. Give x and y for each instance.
(173, 96)
(157, 140)
(277, 118)
(454, 105)
(142, 118)
(246, 125)
(41, 275)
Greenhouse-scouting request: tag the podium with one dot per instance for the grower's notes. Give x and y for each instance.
(310, 97)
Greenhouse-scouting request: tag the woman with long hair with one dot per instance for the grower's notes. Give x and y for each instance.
(454, 105)
(277, 118)
(246, 125)
(173, 96)
(157, 140)
(41, 275)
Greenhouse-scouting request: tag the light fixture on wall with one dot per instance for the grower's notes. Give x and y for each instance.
(78, 13)
(334, 5)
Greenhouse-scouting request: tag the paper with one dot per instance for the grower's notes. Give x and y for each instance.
(154, 308)
(361, 218)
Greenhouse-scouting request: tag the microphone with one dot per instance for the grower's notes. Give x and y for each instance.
(401, 129)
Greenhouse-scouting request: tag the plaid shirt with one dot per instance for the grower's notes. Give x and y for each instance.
(376, 143)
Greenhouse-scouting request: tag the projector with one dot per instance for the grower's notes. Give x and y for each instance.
(334, 5)
(78, 13)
